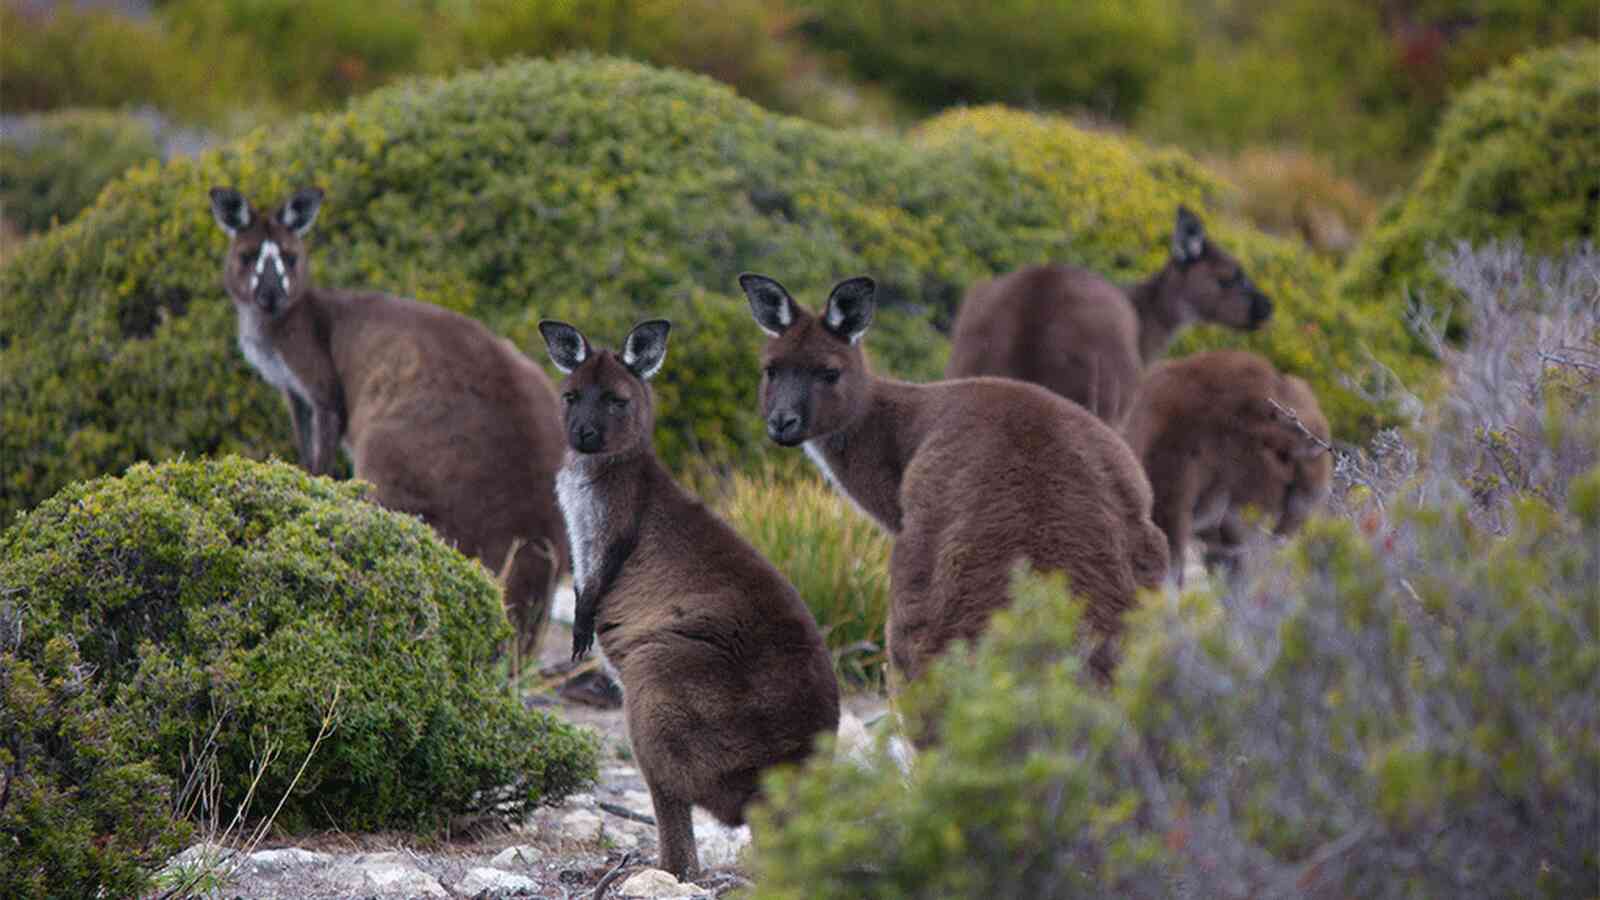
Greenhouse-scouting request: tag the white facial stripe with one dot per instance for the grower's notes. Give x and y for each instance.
(270, 251)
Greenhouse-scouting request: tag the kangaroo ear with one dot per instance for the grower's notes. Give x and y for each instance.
(773, 308)
(300, 211)
(567, 345)
(231, 210)
(1188, 237)
(645, 348)
(850, 308)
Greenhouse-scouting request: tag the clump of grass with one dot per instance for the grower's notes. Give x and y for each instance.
(837, 558)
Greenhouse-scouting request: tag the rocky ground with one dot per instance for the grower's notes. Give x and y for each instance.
(559, 852)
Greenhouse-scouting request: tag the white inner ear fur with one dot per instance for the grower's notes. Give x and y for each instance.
(239, 212)
(630, 358)
(572, 345)
(835, 321)
(782, 314)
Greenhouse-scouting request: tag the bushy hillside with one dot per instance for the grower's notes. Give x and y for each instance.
(596, 191)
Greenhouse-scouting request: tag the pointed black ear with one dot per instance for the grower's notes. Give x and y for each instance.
(300, 211)
(773, 308)
(645, 348)
(567, 345)
(1188, 237)
(850, 308)
(231, 210)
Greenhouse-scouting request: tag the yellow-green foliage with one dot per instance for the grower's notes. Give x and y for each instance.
(1294, 194)
(837, 558)
(593, 191)
(54, 165)
(238, 602)
(1115, 199)
(1517, 157)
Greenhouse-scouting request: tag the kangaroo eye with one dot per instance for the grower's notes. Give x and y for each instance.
(569, 397)
(829, 376)
(771, 371)
(1233, 280)
(247, 257)
(289, 260)
(616, 403)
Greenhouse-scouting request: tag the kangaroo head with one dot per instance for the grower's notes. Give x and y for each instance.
(1207, 284)
(607, 407)
(266, 268)
(814, 378)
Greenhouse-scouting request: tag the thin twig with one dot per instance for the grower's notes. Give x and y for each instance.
(626, 813)
(600, 889)
(1294, 419)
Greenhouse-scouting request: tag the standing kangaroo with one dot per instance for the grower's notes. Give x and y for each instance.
(723, 669)
(1213, 442)
(970, 476)
(1088, 340)
(446, 420)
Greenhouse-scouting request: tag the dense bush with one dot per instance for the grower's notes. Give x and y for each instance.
(79, 809)
(599, 192)
(1099, 55)
(1113, 199)
(1398, 704)
(1294, 194)
(1515, 158)
(242, 600)
(54, 165)
(835, 557)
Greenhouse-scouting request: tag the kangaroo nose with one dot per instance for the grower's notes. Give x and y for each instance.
(784, 428)
(586, 439)
(1260, 309)
(269, 300)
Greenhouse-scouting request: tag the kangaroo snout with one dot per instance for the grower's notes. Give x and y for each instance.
(784, 428)
(586, 438)
(1260, 309)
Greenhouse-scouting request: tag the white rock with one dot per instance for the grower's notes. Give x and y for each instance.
(286, 857)
(581, 825)
(656, 883)
(580, 801)
(520, 855)
(563, 603)
(387, 879)
(623, 840)
(719, 845)
(638, 801)
(854, 743)
(201, 854)
(612, 774)
(484, 879)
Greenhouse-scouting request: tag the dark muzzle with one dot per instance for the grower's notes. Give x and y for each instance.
(1260, 309)
(784, 428)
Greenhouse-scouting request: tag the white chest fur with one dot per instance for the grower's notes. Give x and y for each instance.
(265, 358)
(582, 508)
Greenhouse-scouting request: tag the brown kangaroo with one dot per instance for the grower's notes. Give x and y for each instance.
(1213, 443)
(1087, 339)
(446, 420)
(723, 669)
(970, 476)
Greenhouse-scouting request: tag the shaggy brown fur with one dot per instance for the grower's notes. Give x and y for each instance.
(448, 421)
(970, 476)
(723, 669)
(1088, 340)
(1212, 444)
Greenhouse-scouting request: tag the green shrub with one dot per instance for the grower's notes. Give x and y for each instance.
(80, 811)
(54, 165)
(1113, 200)
(837, 558)
(592, 191)
(249, 597)
(1099, 55)
(1515, 158)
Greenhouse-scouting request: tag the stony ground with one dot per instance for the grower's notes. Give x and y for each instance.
(559, 852)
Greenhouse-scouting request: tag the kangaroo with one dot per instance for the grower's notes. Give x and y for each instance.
(724, 672)
(1213, 442)
(1088, 340)
(446, 420)
(970, 476)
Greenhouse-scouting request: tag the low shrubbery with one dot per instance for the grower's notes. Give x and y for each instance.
(834, 555)
(1293, 194)
(1515, 158)
(54, 165)
(1400, 703)
(593, 191)
(223, 608)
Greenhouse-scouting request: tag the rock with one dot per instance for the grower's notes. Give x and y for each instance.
(581, 825)
(201, 854)
(495, 881)
(656, 883)
(719, 845)
(581, 801)
(520, 855)
(286, 858)
(385, 878)
(563, 604)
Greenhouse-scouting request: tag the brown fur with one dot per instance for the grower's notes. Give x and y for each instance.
(1212, 444)
(971, 476)
(1083, 337)
(446, 420)
(724, 671)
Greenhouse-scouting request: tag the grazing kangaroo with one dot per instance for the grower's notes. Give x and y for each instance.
(1087, 339)
(970, 476)
(446, 420)
(1213, 442)
(723, 669)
